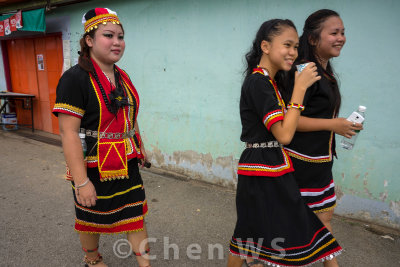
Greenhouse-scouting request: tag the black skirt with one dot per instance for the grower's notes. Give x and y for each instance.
(121, 204)
(316, 184)
(276, 226)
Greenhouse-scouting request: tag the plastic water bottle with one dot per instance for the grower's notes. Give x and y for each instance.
(357, 117)
(83, 142)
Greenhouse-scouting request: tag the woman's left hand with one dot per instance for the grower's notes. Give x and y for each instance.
(346, 128)
(144, 159)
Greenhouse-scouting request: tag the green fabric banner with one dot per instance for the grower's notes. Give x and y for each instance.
(33, 20)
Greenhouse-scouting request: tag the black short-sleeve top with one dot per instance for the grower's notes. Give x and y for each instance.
(260, 107)
(76, 96)
(318, 146)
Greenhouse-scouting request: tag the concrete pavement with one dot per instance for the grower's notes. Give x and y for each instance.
(189, 222)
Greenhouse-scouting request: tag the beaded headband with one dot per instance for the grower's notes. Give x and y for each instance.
(98, 15)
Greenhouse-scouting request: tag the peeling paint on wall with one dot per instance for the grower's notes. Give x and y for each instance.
(395, 207)
(338, 192)
(369, 210)
(221, 171)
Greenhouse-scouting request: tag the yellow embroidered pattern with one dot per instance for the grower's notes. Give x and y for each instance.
(92, 23)
(70, 108)
(112, 146)
(122, 222)
(130, 144)
(107, 175)
(109, 233)
(111, 211)
(119, 193)
(324, 210)
(327, 158)
(266, 168)
(270, 117)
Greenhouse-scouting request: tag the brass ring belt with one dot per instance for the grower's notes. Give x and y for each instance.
(106, 135)
(263, 145)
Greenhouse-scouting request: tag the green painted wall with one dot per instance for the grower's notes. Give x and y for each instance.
(186, 60)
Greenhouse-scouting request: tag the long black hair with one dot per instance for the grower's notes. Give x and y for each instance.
(84, 54)
(267, 31)
(309, 41)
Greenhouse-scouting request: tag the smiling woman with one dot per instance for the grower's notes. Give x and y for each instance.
(97, 99)
(270, 209)
(107, 46)
(331, 41)
(313, 146)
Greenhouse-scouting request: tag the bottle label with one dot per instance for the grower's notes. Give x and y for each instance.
(301, 67)
(356, 117)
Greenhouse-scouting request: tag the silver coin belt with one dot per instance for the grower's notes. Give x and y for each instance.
(263, 145)
(105, 135)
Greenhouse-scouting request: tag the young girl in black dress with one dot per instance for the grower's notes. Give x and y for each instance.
(313, 146)
(274, 225)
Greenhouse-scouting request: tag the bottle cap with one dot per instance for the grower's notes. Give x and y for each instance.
(82, 135)
(362, 108)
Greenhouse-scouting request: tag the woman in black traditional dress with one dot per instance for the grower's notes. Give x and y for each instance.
(98, 99)
(274, 226)
(313, 145)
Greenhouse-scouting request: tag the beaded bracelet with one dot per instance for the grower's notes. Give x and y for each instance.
(294, 105)
(83, 184)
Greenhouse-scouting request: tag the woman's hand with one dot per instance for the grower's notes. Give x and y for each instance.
(307, 77)
(284, 131)
(69, 129)
(143, 162)
(344, 127)
(144, 159)
(86, 195)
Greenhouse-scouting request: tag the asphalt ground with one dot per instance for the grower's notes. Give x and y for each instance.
(189, 222)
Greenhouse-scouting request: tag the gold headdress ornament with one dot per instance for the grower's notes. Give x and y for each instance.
(95, 16)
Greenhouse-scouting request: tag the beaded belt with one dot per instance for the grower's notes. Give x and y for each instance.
(105, 135)
(263, 145)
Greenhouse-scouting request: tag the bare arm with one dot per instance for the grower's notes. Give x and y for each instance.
(284, 130)
(337, 125)
(73, 153)
(142, 149)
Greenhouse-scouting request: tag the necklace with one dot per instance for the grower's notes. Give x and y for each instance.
(108, 78)
(103, 93)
